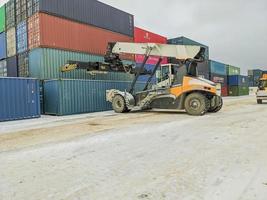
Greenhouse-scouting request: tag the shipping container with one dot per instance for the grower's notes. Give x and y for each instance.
(21, 11)
(238, 90)
(90, 12)
(2, 45)
(144, 36)
(22, 37)
(10, 14)
(19, 99)
(217, 68)
(33, 7)
(3, 68)
(54, 32)
(11, 42)
(2, 18)
(23, 64)
(238, 80)
(218, 78)
(231, 70)
(186, 41)
(144, 78)
(224, 91)
(67, 97)
(12, 66)
(45, 63)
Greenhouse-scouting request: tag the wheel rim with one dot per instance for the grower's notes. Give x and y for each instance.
(118, 104)
(195, 104)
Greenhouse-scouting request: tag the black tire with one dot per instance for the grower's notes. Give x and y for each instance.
(118, 104)
(216, 108)
(196, 104)
(259, 101)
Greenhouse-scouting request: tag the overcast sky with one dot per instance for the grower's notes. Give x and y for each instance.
(235, 30)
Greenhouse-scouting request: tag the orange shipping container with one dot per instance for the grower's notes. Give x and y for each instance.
(53, 32)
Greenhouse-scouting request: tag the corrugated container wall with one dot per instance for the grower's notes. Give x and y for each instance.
(19, 99)
(217, 68)
(2, 45)
(144, 36)
(91, 12)
(231, 70)
(3, 68)
(2, 18)
(66, 97)
(22, 37)
(11, 42)
(45, 63)
(12, 66)
(33, 7)
(238, 90)
(21, 11)
(23, 64)
(10, 14)
(187, 41)
(238, 80)
(54, 32)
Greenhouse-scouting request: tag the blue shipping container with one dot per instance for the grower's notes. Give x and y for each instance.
(12, 67)
(22, 37)
(144, 78)
(19, 99)
(238, 80)
(2, 45)
(67, 97)
(217, 68)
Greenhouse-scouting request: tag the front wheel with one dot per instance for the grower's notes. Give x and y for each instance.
(118, 104)
(259, 101)
(217, 105)
(196, 104)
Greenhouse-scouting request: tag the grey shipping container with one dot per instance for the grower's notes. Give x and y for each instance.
(21, 11)
(32, 6)
(91, 12)
(3, 69)
(10, 14)
(2, 45)
(66, 97)
(23, 64)
(19, 99)
(45, 63)
(12, 67)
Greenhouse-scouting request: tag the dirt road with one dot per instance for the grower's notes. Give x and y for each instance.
(151, 155)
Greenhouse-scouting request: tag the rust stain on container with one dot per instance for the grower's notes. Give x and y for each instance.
(54, 32)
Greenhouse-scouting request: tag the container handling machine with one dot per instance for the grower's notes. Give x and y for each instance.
(178, 86)
(261, 93)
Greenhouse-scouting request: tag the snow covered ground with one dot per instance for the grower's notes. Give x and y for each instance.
(148, 155)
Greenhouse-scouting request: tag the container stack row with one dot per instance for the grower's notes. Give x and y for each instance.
(39, 36)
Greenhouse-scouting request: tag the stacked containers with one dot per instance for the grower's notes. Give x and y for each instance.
(3, 70)
(10, 14)
(238, 85)
(144, 36)
(21, 11)
(22, 37)
(19, 99)
(218, 74)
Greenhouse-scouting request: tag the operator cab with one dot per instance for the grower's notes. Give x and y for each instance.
(173, 74)
(262, 84)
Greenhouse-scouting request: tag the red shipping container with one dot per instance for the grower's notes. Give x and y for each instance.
(224, 91)
(53, 32)
(144, 36)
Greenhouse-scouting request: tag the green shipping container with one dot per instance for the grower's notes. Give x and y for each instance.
(231, 70)
(67, 97)
(2, 18)
(238, 91)
(45, 63)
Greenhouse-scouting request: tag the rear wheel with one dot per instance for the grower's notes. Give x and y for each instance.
(259, 101)
(196, 104)
(118, 104)
(217, 107)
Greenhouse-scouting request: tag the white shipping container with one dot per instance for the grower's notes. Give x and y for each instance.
(11, 42)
